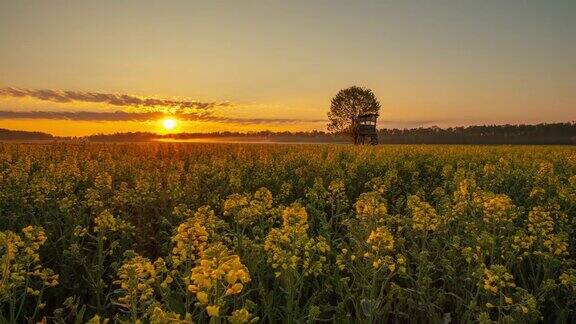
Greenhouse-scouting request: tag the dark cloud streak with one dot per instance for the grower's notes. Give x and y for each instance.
(121, 100)
(144, 116)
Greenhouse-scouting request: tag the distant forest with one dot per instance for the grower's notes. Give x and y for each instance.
(556, 133)
(6, 134)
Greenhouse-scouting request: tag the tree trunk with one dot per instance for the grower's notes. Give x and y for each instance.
(354, 131)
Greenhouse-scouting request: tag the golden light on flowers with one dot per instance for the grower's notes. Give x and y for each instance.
(21, 268)
(346, 228)
(381, 245)
(424, 216)
(381, 239)
(242, 316)
(189, 241)
(106, 222)
(136, 278)
(497, 209)
(247, 209)
(370, 207)
(217, 275)
(169, 124)
(497, 278)
(290, 250)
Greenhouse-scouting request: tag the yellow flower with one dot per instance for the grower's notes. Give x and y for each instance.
(540, 222)
(568, 279)
(370, 207)
(247, 209)
(241, 316)
(291, 249)
(97, 320)
(190, 240)
(497, 209)
(159, 316)
(213, 310)
(80, 231)
(381, 239)
(202, 297)
(136, 277)
(295, 216)
(217, 268)
(21, 265)
(424, 216)
(497, 278)
(234, 289)
(106, 223)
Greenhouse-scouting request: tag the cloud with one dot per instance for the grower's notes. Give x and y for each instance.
(144, 116)
(148, 109)
(120, 100)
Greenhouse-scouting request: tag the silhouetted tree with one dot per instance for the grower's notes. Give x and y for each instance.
(347, 105)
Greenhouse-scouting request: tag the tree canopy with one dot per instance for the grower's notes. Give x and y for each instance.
(347, 105)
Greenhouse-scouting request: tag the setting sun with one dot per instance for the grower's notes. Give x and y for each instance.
(169, 123)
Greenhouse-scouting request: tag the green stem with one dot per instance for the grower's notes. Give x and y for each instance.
(12, 309)
(99, 270)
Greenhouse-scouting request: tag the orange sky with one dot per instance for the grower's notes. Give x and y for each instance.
(81, 128)
(256, 65)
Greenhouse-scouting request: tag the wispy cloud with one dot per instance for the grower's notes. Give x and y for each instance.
(133, 108)
(144, 116)
(120, 100)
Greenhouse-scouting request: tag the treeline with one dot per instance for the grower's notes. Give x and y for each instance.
(122, 137)
(6, 134)
(312, 136)
(556, 133)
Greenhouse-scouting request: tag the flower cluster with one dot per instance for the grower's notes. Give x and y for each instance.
(21, 269)
(540, 235)
(136, 278)
(247, 209)
(381, 240)
(381, 246)
(336, 195)
(160, 316)
(296, 218)
(189, 241)
(217, 275)
(540, 222)
(424, 216)
(290, 249)
(105, 222)
(568, 279)
(242, 316)
(497, 209)
(370, 207)
(497, 278)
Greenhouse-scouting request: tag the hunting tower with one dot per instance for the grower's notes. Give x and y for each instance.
(366, 129)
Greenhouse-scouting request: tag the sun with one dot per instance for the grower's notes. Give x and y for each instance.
(169, 123)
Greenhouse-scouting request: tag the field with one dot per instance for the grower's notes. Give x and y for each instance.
(167, 233)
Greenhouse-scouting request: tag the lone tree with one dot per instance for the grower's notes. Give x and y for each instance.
(348, 104)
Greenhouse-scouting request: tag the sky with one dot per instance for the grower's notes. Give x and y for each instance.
(83, 67)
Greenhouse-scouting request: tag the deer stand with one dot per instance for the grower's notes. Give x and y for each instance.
(366, 132)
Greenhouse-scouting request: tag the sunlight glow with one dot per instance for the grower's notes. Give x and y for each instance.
(169, 124)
